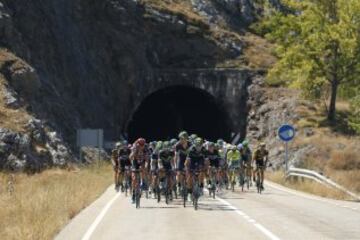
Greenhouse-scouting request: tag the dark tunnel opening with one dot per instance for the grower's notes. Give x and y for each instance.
(164, 113)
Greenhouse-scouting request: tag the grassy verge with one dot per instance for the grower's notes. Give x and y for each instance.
(42, 204)
(307, 186)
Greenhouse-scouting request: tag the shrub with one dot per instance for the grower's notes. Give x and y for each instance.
(347, 159)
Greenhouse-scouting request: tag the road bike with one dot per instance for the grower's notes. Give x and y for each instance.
(213, 181)
(233, 174)
(137, 190)
(127, 181)
(242, 177)
(165, 186)
(259, 183)
(196, 190)
(183, 188)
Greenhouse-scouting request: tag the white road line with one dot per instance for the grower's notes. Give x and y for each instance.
(308, 196)
(98, 219)
(264, 230)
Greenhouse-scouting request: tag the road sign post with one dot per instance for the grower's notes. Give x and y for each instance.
(90, 138)
(286, 133)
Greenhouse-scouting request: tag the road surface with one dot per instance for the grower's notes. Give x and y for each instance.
(278, 213)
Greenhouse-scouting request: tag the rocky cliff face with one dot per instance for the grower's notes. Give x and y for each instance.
(86, 60)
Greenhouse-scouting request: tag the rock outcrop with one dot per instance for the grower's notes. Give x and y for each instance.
(87, 64)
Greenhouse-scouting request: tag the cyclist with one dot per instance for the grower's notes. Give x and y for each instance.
(172, 143)
(196, 162)
(139, 160)
(192, 138)
(233, 157)
(246, 156)
(115, 163)
(181, 152)
(154, 166)
(240, 147)
(213, 157)
(124, 161)
(223, 164)
(166, 164)
(261, 157)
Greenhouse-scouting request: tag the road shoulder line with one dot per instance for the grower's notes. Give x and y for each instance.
(260, 227)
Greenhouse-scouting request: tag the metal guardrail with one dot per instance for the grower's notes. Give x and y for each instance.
(315, 176)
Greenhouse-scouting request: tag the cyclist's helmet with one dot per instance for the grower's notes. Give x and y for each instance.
(220, 142)
(159, 145)
(193, 137)
(141, 141)
(262, 145)
(183, 135)
(245, 143)
(240, 146)
(198, 142)
(118, 144)
(166, 144)
(173, 142)
(153, 145)
(125, 142)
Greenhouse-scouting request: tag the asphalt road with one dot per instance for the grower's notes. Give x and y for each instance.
(278, 213)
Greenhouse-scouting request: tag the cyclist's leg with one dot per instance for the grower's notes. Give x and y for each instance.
(201, 177)
(116, 176)
(189, 179)
(262, 176)
(134, 184)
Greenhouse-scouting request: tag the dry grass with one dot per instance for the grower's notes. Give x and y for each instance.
(258, 52)
(306, 186)
(43, 203)
(335, 154)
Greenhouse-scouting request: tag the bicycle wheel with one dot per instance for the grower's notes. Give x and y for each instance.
(137, 198)
(195, 198)
(184, 196)
(196, 204)
(158, 194)
(258, 184)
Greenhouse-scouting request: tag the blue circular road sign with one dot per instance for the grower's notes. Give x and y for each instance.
(286, 133)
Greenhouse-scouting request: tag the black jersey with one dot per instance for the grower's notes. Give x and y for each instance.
(166, 156)
(214, 158)
(197, 158)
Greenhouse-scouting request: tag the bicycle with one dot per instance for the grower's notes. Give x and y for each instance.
(247, 178)
(259, 183)
(127, 181)
(233, 172)
(242, 178)
(137, 190)
(167, 186)
(183, 188)
(213, 180)
(196, 191)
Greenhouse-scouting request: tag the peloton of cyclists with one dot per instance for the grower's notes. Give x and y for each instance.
(183, 161)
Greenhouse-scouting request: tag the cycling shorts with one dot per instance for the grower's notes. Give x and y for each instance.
(180, 164)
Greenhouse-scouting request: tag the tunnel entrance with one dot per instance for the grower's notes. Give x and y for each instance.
(166, 112)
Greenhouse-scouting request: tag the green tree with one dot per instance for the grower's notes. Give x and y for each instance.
(354, 120)
(318, 45)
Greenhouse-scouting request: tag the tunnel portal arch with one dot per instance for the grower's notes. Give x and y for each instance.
(164, 113)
